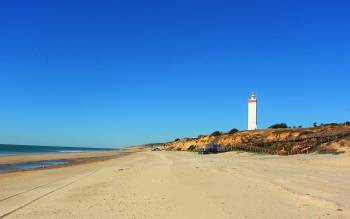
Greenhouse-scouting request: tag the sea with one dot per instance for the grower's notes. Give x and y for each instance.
(10, 150)
(13, 150)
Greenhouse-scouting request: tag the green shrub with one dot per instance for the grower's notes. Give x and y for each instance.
(330, 124)
(216, 133)
(279, 126)
(233, 131)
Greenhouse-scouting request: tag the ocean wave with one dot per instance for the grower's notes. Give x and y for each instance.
(72, 151)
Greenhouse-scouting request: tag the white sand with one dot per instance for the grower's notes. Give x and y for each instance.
(184, 185)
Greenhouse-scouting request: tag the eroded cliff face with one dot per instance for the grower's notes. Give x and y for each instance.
(297, 139)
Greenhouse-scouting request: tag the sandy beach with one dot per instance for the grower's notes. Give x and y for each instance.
(183, 185)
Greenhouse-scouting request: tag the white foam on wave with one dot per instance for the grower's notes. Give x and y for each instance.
(72, 151)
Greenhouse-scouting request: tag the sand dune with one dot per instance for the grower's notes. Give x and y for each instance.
(184, 185)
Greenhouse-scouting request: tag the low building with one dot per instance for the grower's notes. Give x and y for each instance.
(213, 148)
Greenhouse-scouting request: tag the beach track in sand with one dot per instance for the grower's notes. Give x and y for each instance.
(183, 185)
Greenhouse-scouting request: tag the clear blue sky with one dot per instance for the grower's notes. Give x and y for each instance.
(117, 73)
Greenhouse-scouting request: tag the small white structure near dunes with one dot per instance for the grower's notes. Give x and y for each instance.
(214, 148)
(252, 112)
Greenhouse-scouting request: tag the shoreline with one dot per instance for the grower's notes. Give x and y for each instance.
(66, 159)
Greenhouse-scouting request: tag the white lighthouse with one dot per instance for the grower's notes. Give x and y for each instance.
(252, 112)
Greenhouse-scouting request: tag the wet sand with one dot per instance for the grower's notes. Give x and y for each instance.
(183, 185)
(53, 156)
